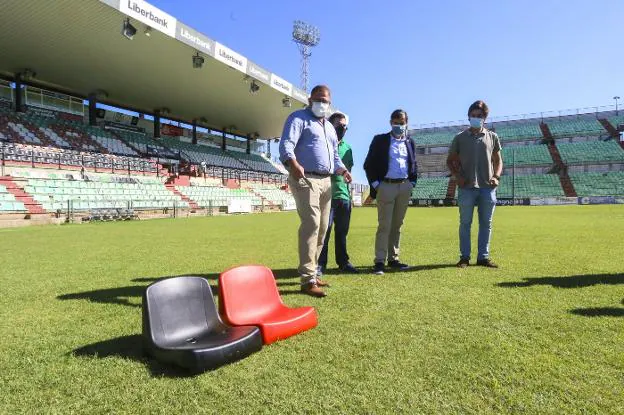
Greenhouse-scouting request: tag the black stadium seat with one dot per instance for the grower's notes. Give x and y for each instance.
(181, 326)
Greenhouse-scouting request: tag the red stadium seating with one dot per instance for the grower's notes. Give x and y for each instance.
(248, 296)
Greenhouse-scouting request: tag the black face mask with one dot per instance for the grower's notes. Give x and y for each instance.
(340, 131)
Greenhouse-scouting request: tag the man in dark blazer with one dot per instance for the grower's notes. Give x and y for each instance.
(391, 172)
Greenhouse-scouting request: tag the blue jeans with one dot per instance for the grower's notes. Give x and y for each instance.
(485, 200)
(340, 217)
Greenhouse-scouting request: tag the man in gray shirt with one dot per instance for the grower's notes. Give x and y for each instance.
(476, 162)
(309, 150)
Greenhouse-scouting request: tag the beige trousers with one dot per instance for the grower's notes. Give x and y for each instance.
(313, 200)
(392, 202)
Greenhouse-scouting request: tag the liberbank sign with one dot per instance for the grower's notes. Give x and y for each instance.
(152, 16)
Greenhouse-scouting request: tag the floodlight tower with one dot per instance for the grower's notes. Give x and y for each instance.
(306, 37)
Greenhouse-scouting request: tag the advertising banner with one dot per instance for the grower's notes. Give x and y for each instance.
(258, 72)
(42, 112)
(195, 39)
(230, 58)
(289, 204)
(171, 130)
(150, 15)
(560, 200)
(124, 127)
(511, 202)
(596, 200)
(357, 199)
(239, 206)
(48, 113)
(281, 84)
(619, 200)
(300, 95)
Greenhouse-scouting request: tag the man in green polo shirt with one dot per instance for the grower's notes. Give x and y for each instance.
(340, 214)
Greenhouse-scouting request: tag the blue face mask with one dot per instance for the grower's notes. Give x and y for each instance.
(399, 130)
(476, 122)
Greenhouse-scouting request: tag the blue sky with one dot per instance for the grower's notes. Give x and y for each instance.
(431, 58)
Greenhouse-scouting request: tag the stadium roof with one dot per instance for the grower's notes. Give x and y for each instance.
(77, 47)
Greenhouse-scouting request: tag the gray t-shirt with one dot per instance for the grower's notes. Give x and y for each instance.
(475, 156)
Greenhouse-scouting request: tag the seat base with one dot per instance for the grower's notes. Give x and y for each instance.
(286, 323)
(210, 350)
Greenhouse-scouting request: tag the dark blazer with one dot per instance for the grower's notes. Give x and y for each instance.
(376, 163)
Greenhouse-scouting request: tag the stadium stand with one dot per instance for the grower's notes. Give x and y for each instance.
(272, 194)
(144, 144)
(598, 184)
(65, 158)
(66, 134)
(210, 196)
(591, 152)
(255, 162)
(531, 185)
(616, 120)
(96, 191)
(432, 162)
(574, 126)
(200, 153)
(430, 188)
(443, 135)
(517, 130)
(530, 155)
(8, 203)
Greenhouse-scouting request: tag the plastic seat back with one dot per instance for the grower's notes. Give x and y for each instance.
(247, 294)
(177, 309)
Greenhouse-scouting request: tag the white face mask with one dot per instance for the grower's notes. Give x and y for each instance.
(320, 109)
(476, 122)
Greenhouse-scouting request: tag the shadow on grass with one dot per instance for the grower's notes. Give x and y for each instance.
(130, 347)
(369, 269)
(573, 281)
(122, 295)
(599, 312)
(577, 281)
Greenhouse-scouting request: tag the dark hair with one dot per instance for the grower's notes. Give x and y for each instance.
(320, 88)
(336, 116)
(398, 113)
(479, 105)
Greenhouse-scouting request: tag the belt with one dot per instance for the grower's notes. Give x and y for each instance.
(395, 180)
(317, 174)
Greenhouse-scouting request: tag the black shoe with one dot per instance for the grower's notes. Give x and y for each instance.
(463, 263)
(378, 269)
(349, 269)
(396, 264)
(487, 262)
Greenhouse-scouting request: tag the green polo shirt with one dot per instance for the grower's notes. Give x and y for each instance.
(340, 188)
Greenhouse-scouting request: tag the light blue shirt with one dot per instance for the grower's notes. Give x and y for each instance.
(397, 160)
(312, 142)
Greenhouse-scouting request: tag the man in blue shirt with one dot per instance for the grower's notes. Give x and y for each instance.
(309, 150)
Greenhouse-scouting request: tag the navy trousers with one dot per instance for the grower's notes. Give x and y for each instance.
(340, 217)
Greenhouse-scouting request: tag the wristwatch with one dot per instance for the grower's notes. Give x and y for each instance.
(496, 177)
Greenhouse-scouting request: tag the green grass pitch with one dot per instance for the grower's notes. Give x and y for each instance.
(542, 334)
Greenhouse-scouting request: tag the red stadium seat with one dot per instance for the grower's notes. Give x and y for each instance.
(248, 296)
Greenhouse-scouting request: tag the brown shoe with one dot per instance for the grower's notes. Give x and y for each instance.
(487, 262)
(313, 290)
(321, 283)
(463, 263)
